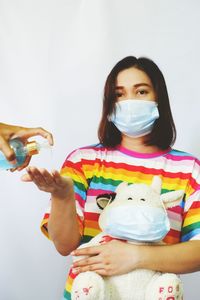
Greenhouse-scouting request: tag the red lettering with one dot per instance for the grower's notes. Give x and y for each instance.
(170, 289)
(161, 289)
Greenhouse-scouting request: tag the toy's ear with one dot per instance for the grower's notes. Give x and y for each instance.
(171, 199)
(156, 184)
(104, 199)
(121, 186)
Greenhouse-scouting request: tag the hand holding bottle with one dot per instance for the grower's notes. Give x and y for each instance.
(8, 132)
(60, 187)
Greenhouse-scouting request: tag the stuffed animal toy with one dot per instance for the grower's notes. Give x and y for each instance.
(136, 214)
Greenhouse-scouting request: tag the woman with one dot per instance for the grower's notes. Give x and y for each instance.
(136, 133)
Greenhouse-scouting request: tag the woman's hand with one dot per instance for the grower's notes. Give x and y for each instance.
(59, 187)
(112, 258)
(8, 132)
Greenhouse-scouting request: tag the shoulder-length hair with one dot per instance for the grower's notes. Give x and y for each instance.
(163, 134)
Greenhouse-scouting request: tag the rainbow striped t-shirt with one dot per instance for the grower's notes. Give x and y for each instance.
(98, 170)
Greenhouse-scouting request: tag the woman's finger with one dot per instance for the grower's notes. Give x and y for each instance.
(25, 164)
(7, 150)
(61, 181)
(37, 177)
(26, 178)
(102, 272)
(94, 250)
(49, 179)
(94, 267)
(87, 261)
(26, 133)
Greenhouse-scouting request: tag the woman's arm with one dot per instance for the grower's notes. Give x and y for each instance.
(116, 257)
(63, 225)
(179, 258)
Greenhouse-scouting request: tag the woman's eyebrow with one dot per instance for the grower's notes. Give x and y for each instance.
(142, 84)
(135, 85)
(119, 87)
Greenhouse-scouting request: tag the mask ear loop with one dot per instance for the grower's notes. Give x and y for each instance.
(163, 206)
(103, 198)
(112, 115)
(112, 198)
(166, 215)
(109, 201)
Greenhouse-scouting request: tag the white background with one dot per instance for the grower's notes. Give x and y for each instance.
(54, 59)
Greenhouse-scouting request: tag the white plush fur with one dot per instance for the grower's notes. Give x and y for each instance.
(139, 284)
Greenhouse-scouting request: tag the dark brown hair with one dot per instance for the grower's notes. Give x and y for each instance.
(163, 134)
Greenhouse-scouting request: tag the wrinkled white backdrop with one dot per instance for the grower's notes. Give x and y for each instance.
(54, 58)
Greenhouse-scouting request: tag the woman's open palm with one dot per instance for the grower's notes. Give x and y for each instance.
(53, 182)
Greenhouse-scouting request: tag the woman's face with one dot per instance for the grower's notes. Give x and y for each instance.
(134, 84)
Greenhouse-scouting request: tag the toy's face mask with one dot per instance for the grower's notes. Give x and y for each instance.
(137, 212)
(136, 223)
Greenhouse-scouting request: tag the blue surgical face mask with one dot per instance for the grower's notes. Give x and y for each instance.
(134, 117)
(137, 223)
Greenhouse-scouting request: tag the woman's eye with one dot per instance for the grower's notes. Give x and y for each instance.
(142, 92)
(118, 95)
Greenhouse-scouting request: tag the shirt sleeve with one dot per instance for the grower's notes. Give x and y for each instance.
(191, 216)
(72, 167)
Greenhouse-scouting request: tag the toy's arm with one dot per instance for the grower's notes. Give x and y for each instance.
(179, 258)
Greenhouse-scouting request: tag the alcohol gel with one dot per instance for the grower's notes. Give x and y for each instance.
(21, 152)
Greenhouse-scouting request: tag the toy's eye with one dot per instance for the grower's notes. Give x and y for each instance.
(130, 198)
(142, 199)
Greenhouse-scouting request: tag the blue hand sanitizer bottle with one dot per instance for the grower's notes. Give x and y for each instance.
(21, 152)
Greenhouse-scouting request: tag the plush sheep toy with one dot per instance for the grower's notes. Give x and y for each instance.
(137, 214)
